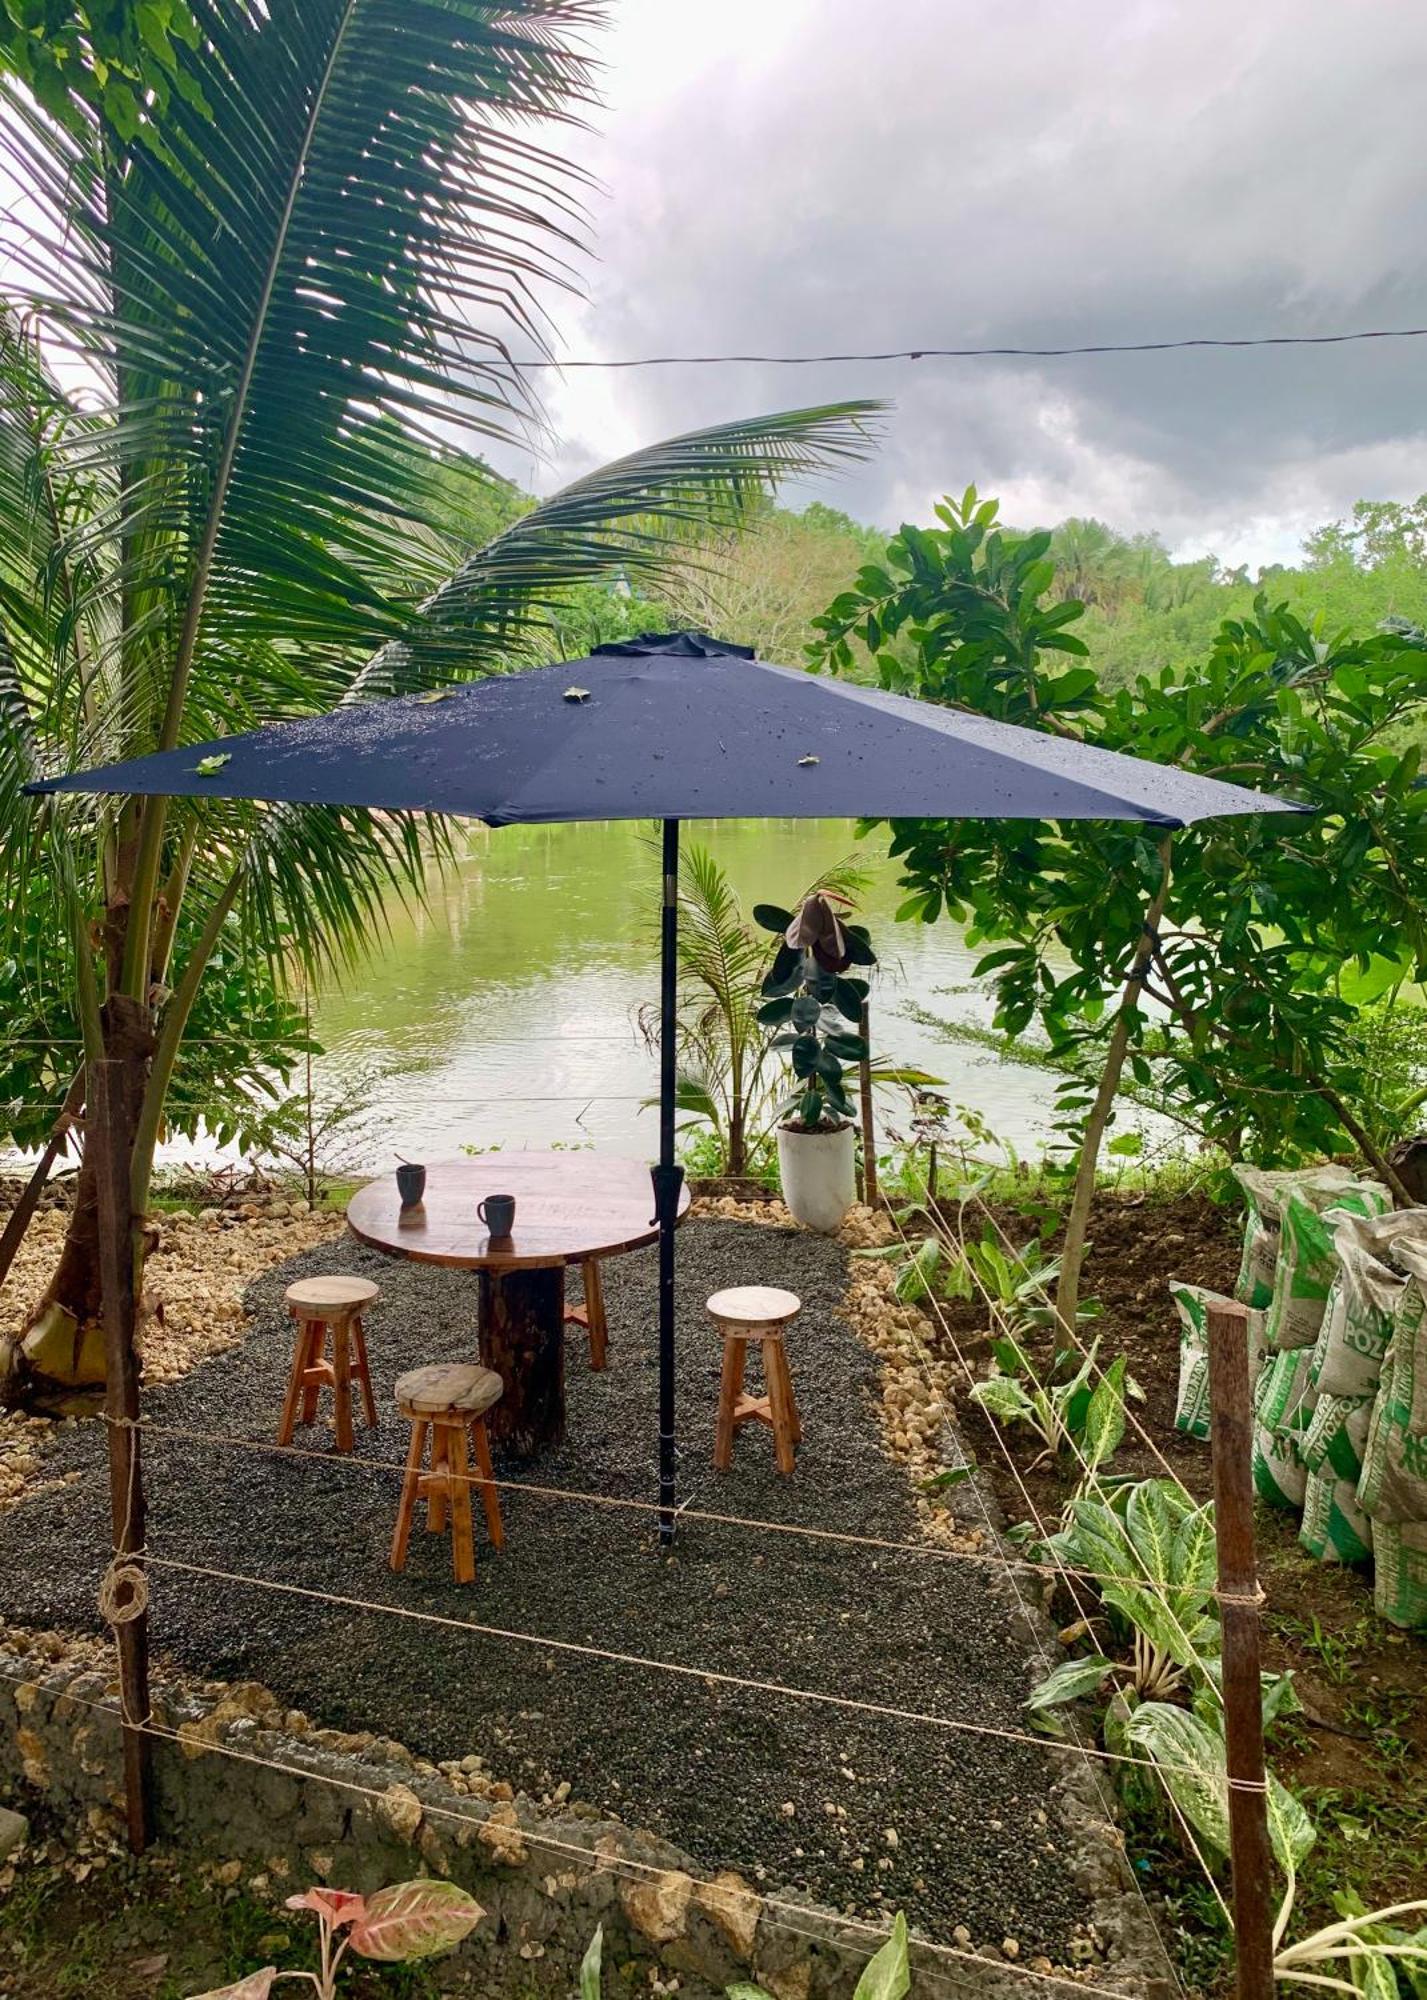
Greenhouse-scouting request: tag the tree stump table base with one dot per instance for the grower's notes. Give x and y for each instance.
(522, 1339)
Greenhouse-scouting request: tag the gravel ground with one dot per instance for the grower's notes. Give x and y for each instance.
(868, 1814)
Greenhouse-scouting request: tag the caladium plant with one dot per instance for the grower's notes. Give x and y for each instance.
(407, 1921)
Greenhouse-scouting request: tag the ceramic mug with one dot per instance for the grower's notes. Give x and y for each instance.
(497, 1212)
(410, 1183)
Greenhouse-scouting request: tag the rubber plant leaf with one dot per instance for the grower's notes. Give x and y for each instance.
(415, 1920)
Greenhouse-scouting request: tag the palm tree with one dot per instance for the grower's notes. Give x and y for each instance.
(273, 251)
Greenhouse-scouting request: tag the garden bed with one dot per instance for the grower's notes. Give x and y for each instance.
(981, 1839)
(1357, 1754)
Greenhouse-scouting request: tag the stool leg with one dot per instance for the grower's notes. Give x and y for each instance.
(595, 1313)
(294, 1383)
(342, 1385)
(775, 1369)
(794, 1414)
(735, 1352)
(316, 1350)
(363, 1373)
(410, 1486)
(490, 1495)
(463, 1540)
(437, 1486)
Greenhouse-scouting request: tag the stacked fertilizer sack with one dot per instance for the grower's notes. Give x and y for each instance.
(1337, 1291)
(1392, 1489)
(1303, 1209)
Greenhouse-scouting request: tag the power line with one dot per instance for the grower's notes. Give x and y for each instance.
(986, 353)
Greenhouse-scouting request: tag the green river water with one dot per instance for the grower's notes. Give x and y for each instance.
(505, 1013)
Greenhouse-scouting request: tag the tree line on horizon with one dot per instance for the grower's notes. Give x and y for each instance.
(1144, 609)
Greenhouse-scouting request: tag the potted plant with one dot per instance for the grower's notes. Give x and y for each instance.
(813, 1000)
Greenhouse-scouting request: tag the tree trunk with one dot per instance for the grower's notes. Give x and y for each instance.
(61, 1347)
(1077, 1222)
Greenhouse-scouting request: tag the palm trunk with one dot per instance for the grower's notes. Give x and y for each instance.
(61, 1347)
(1077, 1222)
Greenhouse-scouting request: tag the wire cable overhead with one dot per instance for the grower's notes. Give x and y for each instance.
(1178, 346)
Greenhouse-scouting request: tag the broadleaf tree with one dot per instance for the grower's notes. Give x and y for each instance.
(1223, 965)
(257, 339)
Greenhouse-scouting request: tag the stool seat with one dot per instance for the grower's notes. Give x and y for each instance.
(459, 1387)
(325, 1298)
(753, 1307)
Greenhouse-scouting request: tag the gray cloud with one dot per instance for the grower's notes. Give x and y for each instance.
(1048, 173)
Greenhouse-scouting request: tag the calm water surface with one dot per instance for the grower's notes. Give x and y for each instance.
(506, 1012)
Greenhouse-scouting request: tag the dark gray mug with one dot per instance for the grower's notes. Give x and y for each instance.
(410, 1183)
(497, 1212)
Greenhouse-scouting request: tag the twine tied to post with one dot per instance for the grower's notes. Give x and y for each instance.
(123, 1592)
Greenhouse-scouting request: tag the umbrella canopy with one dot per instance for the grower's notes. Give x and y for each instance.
(674, 727)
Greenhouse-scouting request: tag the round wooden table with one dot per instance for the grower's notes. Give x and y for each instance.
(569, 1207)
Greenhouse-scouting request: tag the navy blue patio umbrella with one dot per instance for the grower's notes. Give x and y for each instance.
(671, 727)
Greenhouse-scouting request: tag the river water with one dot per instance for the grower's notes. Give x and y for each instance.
(505, 1012)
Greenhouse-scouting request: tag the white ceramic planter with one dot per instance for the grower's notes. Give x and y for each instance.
(817, 1172)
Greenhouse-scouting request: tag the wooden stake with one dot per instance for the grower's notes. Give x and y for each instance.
(126, 1487)
(1250, 1855)
(869, 1134)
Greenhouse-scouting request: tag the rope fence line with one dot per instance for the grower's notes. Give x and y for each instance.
(1089, 1752)
(1095, 1776)
(686, 1510)
(1176, 1809)
(997, 1312)
(579, 1649)
(624, 1865)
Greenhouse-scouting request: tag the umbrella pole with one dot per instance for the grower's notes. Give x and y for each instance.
(668, 1175)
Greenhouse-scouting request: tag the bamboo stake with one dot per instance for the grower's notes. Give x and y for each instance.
(1239, 1596)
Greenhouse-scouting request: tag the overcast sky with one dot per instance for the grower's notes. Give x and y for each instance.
(799, 175)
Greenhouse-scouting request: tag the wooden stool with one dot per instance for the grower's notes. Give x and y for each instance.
(450, 1403)
(756, 1313)
(591, 1314)
(319, 1305)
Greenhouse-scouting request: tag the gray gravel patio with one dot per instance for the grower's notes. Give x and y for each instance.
(865, 1813)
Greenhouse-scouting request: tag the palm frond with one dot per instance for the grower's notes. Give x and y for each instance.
(348, 211)
(629, 519)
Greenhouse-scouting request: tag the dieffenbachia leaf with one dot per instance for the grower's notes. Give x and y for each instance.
(887, 1976)
(1070, 1680)
(591, 1964)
